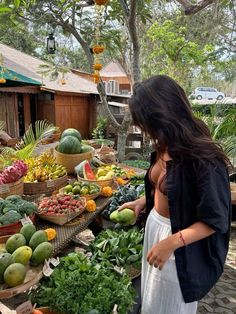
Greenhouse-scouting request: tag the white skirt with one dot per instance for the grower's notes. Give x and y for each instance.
(160, 289)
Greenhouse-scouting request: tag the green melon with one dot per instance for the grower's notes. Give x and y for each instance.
(15, 241)
(28, 230)
(38, 237)
(72, 132)
(15, 274)
(5, 260)
(42, 252)
(69, 145)
(86, 148)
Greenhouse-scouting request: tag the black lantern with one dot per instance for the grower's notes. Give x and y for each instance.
(51, 44)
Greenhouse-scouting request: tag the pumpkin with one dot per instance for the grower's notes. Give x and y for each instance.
(107, 191)
(51, 233)
(121, 181)
(91, 206)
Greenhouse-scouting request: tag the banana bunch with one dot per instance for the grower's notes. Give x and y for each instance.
(43, 168)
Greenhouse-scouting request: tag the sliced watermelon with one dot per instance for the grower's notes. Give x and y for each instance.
(79, 169)
(88, 172)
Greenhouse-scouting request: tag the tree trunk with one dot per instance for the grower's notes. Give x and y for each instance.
(121, 144)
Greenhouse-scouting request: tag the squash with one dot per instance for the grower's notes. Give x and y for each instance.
(120, 181)
(107, 191)
(51, 233)
(91, 206)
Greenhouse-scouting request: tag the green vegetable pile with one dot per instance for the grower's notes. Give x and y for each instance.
(77, 287)
(141, 164)
(123, 195)
(118, 247)
(137, 179)
(14, 208)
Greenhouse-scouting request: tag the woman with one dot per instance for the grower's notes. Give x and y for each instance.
(187, 201)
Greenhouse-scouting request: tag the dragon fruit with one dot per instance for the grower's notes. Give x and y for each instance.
(13, 173)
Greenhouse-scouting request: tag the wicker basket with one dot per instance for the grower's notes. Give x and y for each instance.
(15, 188)
(70, 161)
(34, 274)
(101, 183)
(13, 228)
(44, 187)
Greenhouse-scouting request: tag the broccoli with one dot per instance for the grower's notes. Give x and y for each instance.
(10, 217)
(2, 205)
(14, 199)
(27, 208)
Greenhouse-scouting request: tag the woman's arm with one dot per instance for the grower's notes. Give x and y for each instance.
(160, 252)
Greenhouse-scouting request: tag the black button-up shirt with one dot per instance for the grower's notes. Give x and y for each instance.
(198, 191)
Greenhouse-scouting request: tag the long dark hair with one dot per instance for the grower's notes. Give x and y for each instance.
(160, 107)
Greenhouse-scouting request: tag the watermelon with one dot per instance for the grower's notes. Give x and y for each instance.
(86, 148)
(88, 172)
(79, 169)
(69, 145)
(72, 132)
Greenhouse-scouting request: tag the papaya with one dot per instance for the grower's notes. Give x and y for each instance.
(38, 237)
(5, 260)
(28, 230)
(15, 241)
(42, 252)
(15, 274)
(22, 255)
(126, 216)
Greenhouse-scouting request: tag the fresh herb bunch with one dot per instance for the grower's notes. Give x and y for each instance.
(78, 286)
(118, 247)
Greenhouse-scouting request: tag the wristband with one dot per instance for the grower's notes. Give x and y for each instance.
(182, 238)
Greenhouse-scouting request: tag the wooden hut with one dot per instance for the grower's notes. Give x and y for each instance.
(66, 102)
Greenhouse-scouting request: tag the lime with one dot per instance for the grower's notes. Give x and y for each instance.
(85, 184)
(68, 188)
(77, 183)
(84, 190)
(76, 189)
(92, 191)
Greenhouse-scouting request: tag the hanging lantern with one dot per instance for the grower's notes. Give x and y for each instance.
(2, 80)
(97, 66)
(51, 44)
(98, 49)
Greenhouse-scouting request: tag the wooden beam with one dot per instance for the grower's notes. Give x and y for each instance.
(21, 89)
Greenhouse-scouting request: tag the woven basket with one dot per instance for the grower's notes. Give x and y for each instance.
(44, 187)
(101, 183)
(15, 188)
(13, 228)
(70, 161)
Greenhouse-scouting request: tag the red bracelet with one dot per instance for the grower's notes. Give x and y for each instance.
(182, 238)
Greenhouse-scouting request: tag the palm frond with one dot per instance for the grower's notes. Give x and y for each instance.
(2, 125)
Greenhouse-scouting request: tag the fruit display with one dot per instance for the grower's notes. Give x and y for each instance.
(14, 208)
(137, 179)
(13, 173)
(91, 206)
(122, 195)
(88, 171)
(43, 168)
(71, 143)
(82, 188)
(60, 204)
(22, 250)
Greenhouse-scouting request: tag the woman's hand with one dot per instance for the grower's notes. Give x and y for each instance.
(136, 205)
(160, 253)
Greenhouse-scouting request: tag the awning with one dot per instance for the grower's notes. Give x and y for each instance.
(117, 104)
(15, 79)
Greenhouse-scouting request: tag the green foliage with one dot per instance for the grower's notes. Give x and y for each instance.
(99, 132)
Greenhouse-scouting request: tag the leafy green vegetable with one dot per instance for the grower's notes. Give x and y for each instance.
(142, 164)
(118, 247)
(78, 286)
